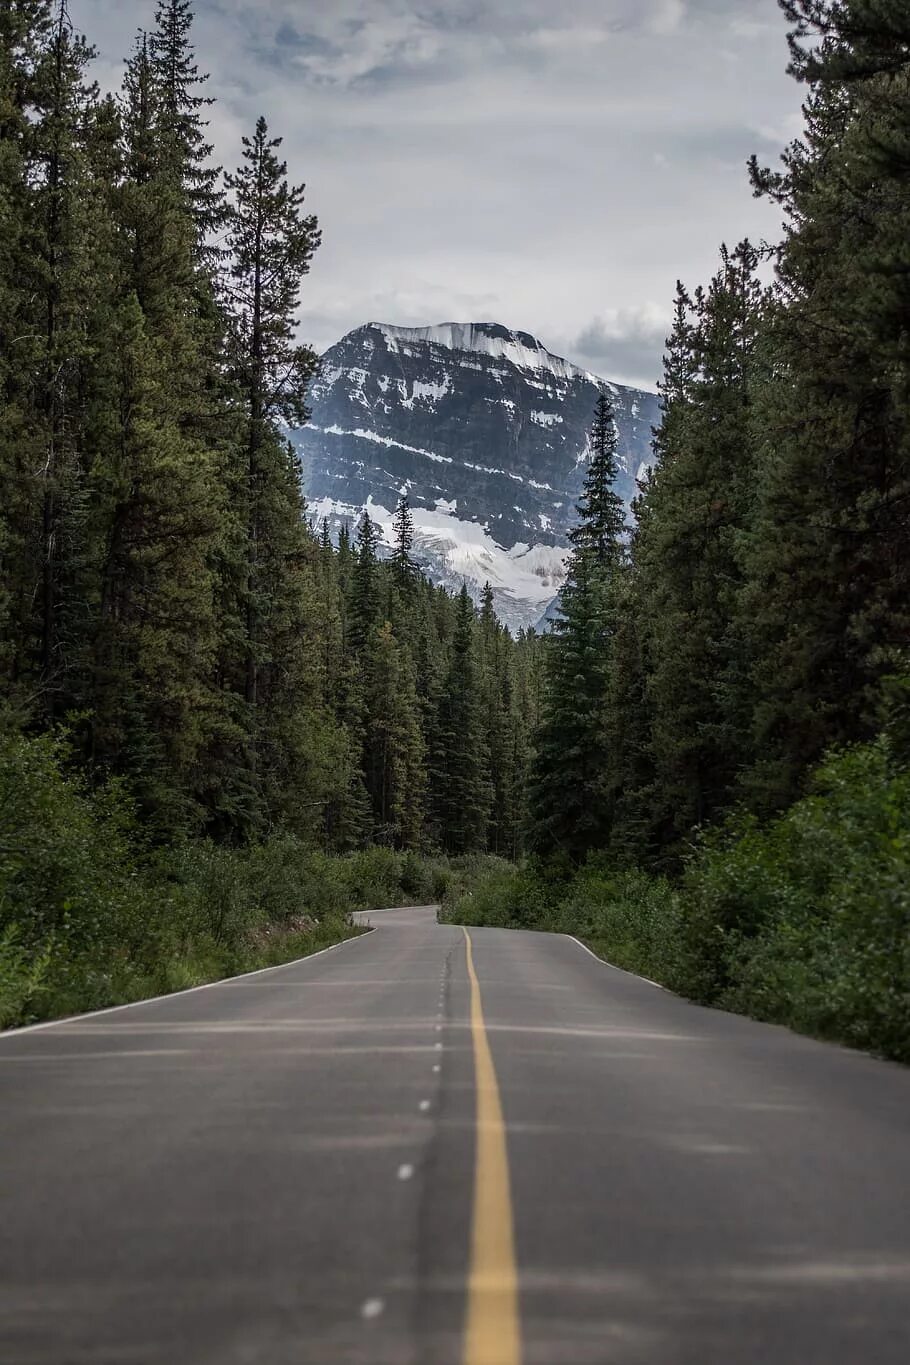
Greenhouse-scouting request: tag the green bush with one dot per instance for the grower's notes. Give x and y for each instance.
(489, 891)
(804, 921)
(90, 915)
(630, 918)
(807, 922)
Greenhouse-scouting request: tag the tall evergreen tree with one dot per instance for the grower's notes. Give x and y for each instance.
(271, 245)
(393, 749)
(364, 584)
(828, 559)
(601, 519)
(568, 810)
(687, 552)
(460, 764)
(182, 128)
(403, 528)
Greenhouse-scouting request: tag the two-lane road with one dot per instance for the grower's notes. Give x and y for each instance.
(429, 1148)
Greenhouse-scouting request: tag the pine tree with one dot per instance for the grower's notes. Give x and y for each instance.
(143, 594)
(364, 582)
(568, 809)
(271, 245)
(461, 789)
(182, 129)
(687, 553)
(828, 558)
(156, 518)
(403, 528)
(570, 757)
(58, 155)
(24, 29)
(43, 96)
(393, 749)
(601, 521)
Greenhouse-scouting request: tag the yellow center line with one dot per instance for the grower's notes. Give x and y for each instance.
(492, 1327)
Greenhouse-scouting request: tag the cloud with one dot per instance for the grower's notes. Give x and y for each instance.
(625, 344)
(555, 169)
(668, 16)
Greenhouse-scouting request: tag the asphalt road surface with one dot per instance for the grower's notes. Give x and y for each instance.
(424, 1147)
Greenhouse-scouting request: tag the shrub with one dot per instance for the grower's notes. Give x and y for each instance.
(804, 921)
(90, 915)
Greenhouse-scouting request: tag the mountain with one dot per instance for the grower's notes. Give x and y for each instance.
(486, 432)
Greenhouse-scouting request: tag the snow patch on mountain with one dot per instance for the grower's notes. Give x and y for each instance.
(388, 441)
(486, 338)
(485, 430)
(524, 579)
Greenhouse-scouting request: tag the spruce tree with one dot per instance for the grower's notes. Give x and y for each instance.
(601, 519)
(182, 128)
(687, 553)
(403, 538)
(154, 508)
(271, 244)
(393, 743)
(568, 810)
(364, 583)
(460, 765)
(828, 559)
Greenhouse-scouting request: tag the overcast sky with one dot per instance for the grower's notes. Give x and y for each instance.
(551, 166)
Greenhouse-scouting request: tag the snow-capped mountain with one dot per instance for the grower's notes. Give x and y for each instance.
(486, 432)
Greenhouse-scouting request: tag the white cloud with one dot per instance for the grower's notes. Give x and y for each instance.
(517, 162)
(668, 16)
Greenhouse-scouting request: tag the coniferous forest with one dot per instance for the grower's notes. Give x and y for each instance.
(203, 701)
(220, 732)
(720, 793)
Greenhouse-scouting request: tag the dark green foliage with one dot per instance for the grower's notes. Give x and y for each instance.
(686, 556)
(460, 754)
(405, 567)
(600, 512)
(801, 922)
(242, 702)
(569, 805)
(760, 625)
(92, 913)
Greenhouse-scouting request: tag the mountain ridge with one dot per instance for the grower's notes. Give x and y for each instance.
(485, 430)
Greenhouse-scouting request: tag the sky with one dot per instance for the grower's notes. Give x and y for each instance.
(554, 167)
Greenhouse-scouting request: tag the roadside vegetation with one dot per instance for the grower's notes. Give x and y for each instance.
(803, 920)
(94, 913)
(719, 789)
(220, 732)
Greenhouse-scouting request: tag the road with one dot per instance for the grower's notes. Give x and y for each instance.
(431, 1148)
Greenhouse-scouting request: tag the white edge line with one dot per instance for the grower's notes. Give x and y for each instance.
(612, 965)
(172, 995)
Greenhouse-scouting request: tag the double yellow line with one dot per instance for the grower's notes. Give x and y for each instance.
(492, 1328)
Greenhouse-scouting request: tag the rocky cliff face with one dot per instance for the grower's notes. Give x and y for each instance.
(486, 432)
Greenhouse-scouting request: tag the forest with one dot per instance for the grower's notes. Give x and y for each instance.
(220, 732)
(204, 704)
(720, 791)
